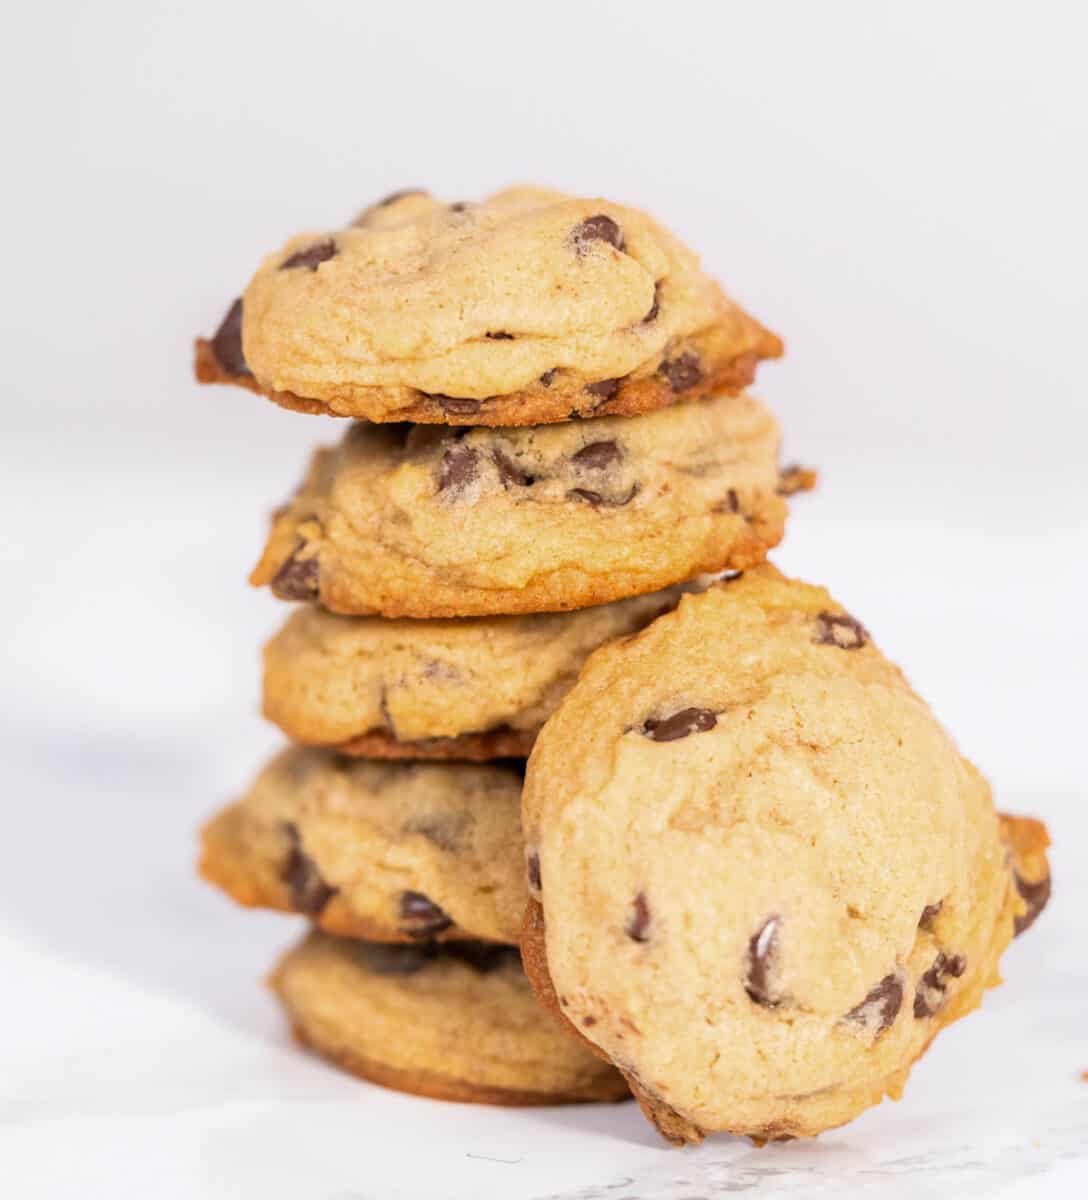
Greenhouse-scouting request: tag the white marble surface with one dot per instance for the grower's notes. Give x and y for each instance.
(899, 189)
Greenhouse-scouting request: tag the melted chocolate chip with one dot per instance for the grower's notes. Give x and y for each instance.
(459, 406)
(880, 1007)
(655, 308)
(297, 579)
(510, 474)
(1035, 896)
(424, 917)
(638, 923)
(549, 376)
(604, 389)
(500, 336)
(795, 478)
(731, 503)
(596, 229)
(683, 372)
(763, 953)
(589, 1021)
(680, 724)
(597, 456)
(484, 957)
(929, 915)
(308, 891)
(532, 868)
(841, 630)
(597, 500)
(460, 466)
(312, 256)
(227, 342)
(930, 993)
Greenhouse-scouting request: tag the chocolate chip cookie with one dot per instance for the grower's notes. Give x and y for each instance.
(422, 521)
(392, 852)
(763, 877)
(527, 308)
(456, 1022)
(471, 689)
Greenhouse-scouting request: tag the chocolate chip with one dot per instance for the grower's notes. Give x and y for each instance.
(589, 1021)
(604, 389)
(484, 957)
(655, 308)
(841, 630)
(597, 456)
(308, 891)
(457, 405)
(227, 342)
(460, 466)
(393, 197)
(679, 725)
(795, 478)
(683, 372)
(880, 1007)
(638, 923)
(459, 207)
(547, 378)
(930, 993)
(929, 915)
(297, 579)
(510, 474)
(312, 256)
(1035, 896)
(532, 867)
(597, 500)
(596, 229)
(424, 916)
(389, 959)
(500, 337)
(763, 953)
(731, 503)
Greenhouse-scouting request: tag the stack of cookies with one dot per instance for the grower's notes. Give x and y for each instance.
(756, 875)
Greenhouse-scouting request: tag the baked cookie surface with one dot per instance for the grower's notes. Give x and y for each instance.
(455, 1022)
(763, 877)
(418, 521)
(471, 689)
(392, 852)
(527, 308)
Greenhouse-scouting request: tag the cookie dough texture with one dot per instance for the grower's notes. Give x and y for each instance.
(763, 877)
(392, 852)
(471, 689)
(457, 1022)
(418, 521)
(527, 308)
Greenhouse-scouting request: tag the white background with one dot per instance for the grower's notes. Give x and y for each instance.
(899, 189)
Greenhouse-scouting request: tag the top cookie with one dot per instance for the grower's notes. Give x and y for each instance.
(528, 308)
(764, 877)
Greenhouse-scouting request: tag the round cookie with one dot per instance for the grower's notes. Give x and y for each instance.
(419, 521)
(528, 308)
(392, 852)
(456, 1022)
(763, 878)
(471, 689)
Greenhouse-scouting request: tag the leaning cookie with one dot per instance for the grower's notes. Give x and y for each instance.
(455, 1022)
(528, 308)
(763, 878)
(418, 521)
(470, 689)
(392, 852)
